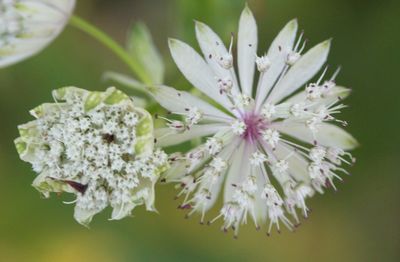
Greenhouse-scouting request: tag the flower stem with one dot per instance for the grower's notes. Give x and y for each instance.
(111, 44)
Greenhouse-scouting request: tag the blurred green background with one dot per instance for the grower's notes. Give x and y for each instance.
(360, 222)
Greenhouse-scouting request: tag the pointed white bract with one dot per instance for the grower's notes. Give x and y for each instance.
(267, 147)
(28, 26)
(96, 145)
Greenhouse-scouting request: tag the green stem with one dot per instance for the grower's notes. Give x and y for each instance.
(111, 44)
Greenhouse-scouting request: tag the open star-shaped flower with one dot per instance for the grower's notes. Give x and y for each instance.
(27, 26)
(269, 144)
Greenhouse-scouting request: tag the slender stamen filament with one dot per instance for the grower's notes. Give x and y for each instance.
(335, 73)
(322, 75)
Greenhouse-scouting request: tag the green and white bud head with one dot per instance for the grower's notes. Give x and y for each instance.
(28, 26)
(96, 145)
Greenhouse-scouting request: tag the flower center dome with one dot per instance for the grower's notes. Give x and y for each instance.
(255, 125)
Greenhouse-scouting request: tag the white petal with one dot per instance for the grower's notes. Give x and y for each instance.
(328, 135)
(260, 208)
(60, 4)
(179, 101)
(141, 47)
(277, 53)
(125, 80)
(121, 211)
(196, 71)
(180, 168)
(46, 185)
(302, 71)
(170, 98)
(216, 188)
(150, 198)
(176, 171)
(298, 164)
(43, 21)
(168, 137)
(238, 169)
(39, 11)
(83, 216)
(20, 49)
(336, 92)
(247, 50)
(213, 47)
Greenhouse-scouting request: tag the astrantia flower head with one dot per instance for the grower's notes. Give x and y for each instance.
(96, 145)
(27, 26)
(268, 146)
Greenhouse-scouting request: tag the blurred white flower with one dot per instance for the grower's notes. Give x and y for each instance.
(96, 145)
(28, 26)
(269, 148)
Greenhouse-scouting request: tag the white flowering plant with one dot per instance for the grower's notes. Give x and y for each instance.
(265, 126)
(268, 144)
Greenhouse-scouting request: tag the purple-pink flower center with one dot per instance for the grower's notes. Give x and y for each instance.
(255, 124)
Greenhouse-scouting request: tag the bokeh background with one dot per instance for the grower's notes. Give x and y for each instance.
(360, 222)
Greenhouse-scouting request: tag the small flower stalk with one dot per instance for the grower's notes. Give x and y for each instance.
(268, 145)
(97, 146)
(28, 26)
